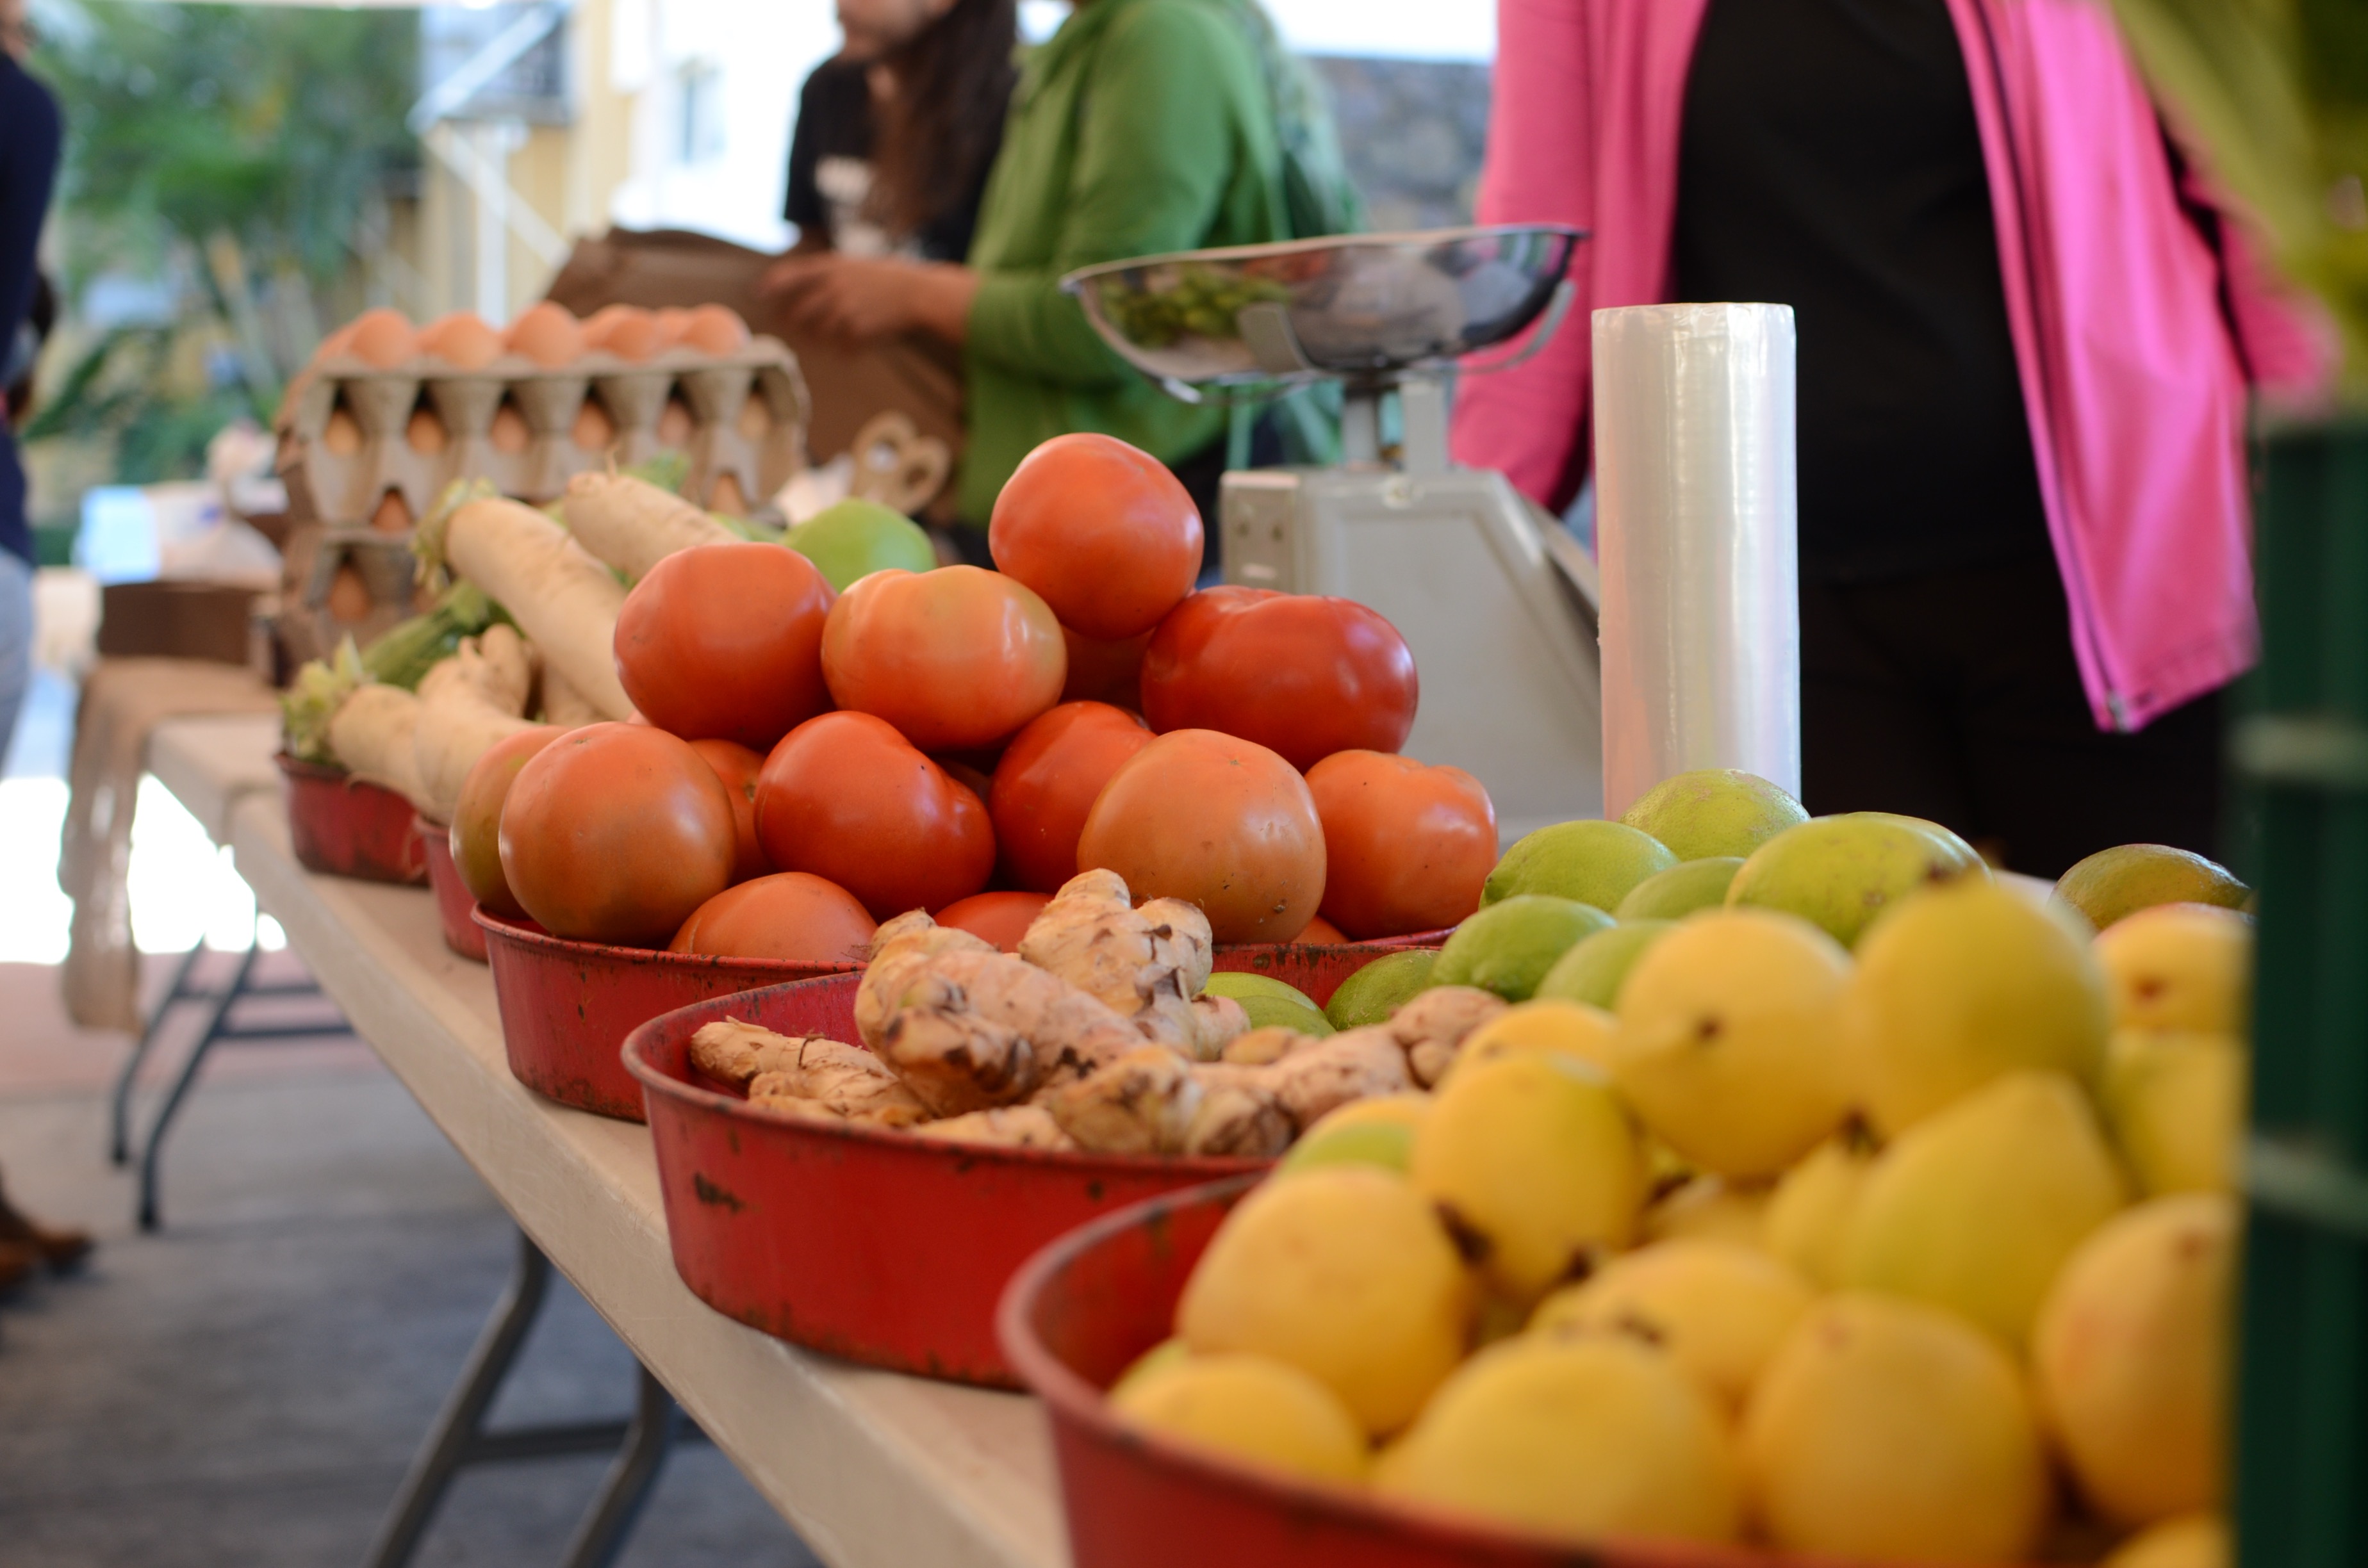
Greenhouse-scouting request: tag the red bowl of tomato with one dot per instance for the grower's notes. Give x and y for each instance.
(567, 1006)
(869, 1243)
(454, 902)
(342, 826)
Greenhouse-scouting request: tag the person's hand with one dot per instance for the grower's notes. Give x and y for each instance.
(845, 296)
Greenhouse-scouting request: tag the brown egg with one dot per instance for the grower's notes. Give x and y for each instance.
(342, 436)
(755, 421)
(335, 344)
(461, 340)
(714, 329)
(627, 331)
(675, 424)
(350, 596)
(673, 321)
(510, 432)
(726, 497)
(425, 434)
(547, 335)
(594, 429)
(382, 338)
(393, 516)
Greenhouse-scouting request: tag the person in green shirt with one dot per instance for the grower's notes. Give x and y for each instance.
(1144, 126)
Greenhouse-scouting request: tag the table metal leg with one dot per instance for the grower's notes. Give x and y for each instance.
(459, 1438)
(119, 1149)
(154, 1146)
(627, 1486)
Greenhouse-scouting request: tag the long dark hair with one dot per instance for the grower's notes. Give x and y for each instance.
(953, 83)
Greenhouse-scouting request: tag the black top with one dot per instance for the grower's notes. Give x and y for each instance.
(29, 165)
(830, 172)
(1830, 160)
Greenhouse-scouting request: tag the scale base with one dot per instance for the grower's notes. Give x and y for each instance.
(1496, 599)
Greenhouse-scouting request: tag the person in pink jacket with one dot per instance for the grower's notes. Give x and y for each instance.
(2026, 339)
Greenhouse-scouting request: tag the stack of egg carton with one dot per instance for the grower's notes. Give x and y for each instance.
(382, 420)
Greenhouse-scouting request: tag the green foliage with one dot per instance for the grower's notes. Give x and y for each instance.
(235, 151)
(2276, 91)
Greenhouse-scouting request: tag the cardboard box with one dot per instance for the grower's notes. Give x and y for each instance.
(214, 621)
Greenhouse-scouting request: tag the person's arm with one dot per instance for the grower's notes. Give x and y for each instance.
(29, 135)
(1153, 163)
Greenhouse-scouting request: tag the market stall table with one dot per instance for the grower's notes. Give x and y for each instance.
(869, 1467)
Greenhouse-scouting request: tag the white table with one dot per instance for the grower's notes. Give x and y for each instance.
(869, 1467)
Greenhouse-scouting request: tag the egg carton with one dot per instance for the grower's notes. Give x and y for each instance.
(411, 429)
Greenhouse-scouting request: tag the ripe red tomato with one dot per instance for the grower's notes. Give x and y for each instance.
(724, 641)
(999, 917)
(1104, 672)
(956, 658)
(616, 833)
(1406, 847)
(1103, 530)
(846, 797)
(1217, 821)
(738, 767)
(1046, 783)
(1320, 932)
(1304, 675)
(476, 831)
(788, 914)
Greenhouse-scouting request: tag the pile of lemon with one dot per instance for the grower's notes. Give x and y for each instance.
(1915, 1250)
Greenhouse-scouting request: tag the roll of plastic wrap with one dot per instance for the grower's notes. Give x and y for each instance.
(1696, 514)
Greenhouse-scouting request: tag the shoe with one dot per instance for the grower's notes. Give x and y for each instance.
(61, 1250)
(17, 1261)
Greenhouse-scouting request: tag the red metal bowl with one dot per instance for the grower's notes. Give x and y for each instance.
(868, 1243)
(453, 901)
(343, 827)
(567, 1006)
(1079, 1312)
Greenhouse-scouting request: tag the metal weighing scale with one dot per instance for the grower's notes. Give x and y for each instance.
(1494, 597)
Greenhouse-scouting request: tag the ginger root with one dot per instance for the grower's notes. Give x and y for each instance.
(848, 1080)
(1009, 1127)
(901, 949)
(1237, 1117)
(1142, 1103)
(971, 1027)
(793, 1108)
(1147, 965)
(1432, 1026)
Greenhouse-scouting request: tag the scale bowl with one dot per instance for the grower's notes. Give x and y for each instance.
(1353, 306)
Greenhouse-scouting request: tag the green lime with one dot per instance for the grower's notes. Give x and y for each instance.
(1166, 1353)
(1713, 811)
(1380, 989)
(1507, 947)
(1266, 1012)
(1685, 887)
(855, 538)
(1242, 987)
(1962, 855)
(2129, 876)
(1593, 862)
(1389, 1145)
(1591, 972)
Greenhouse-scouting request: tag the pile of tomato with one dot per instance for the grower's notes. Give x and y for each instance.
(964, 741)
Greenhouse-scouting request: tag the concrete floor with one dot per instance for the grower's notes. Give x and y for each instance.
(246, 1388)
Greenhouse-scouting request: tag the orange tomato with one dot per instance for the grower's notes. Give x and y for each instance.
(1406, 846)
(1218, 821)
(846, 798)
(616, 833)
(955, 659)
(476, 831)
(1102, 530)
(1104, 672)
(1306, 674)
(1046, 783)
(738, 767)
(1320, 932)
(999, 917)
(724, 643)
(788, 914)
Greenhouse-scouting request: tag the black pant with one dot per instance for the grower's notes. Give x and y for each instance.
(1955, 696)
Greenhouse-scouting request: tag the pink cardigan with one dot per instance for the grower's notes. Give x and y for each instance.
(2137, 326)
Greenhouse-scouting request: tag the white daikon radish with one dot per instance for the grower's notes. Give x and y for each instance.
(561, 704)
(560, 597)
(466, 703)
(633, 525)
(371, 734)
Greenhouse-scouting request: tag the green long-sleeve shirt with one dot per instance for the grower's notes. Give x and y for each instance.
(1144, 126)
